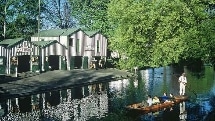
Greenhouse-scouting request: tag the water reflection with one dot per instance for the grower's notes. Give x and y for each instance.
(183, 112)
(68, 104)
(160, 80)
(200, 89)
(99, 100)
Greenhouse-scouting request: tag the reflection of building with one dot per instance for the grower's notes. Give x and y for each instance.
(13, 105)
(61, 105)
(35, 102)
(91, 104)
(118, 85)
(146, 77)
(19, 105)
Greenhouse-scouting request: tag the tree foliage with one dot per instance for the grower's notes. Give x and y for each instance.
(159, 32)
(145, 32)
(19, 17)
(57, 14)
(91, 14)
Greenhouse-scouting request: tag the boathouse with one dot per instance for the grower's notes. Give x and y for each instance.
(54, 49)
(96, 45)
(82, 46)
(21, 55)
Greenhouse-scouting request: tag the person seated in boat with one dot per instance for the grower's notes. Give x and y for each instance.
(164, 98)
(170, 98)
(149, 100)
(155, 100)
(144, 103)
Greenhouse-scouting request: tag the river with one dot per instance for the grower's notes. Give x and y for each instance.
(106, 101)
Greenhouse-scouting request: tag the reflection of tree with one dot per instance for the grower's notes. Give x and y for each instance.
(200, 84)
(212, 101)
(211, 115)
(117, 93)
(141, 91)
(196, 111)
(136, 89)
(171, 114)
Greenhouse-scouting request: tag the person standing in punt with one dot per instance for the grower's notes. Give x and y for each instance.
(182, 81)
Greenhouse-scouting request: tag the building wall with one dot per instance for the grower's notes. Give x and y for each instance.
(55, 49)
(84, 42)
(78, 36)
(26, 44)
(64, 40)
(87, 46)
(15, 52)
(2, 51)
(102, 45)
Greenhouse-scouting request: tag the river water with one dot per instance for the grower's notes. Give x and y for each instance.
(99, 101)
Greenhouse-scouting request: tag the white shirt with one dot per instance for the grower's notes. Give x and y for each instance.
(149, 101)
(182, 79)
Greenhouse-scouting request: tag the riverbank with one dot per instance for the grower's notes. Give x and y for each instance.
(58, 79)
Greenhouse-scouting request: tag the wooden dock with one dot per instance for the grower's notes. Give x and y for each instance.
(58, 79)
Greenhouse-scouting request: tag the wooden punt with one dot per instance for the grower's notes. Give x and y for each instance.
(138, 108)
(179, 99)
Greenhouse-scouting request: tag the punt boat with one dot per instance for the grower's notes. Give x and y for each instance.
(138, 108)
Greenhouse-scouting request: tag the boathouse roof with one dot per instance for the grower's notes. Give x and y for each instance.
(44, 44)
(56, 32)
(11, 42)
(91, 33)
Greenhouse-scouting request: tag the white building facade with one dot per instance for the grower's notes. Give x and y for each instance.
(82, 46)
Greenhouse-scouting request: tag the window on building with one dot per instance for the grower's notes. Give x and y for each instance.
(70, 41)
(98, 50)
(77, 46)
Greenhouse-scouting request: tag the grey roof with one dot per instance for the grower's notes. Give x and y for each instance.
(44, 44)
(56, 32)
(11, 42)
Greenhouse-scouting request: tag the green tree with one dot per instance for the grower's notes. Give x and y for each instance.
(18, 18)
(208, 38)
(159, 32)
(91, 14)
(3, 15)
(57, 14)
